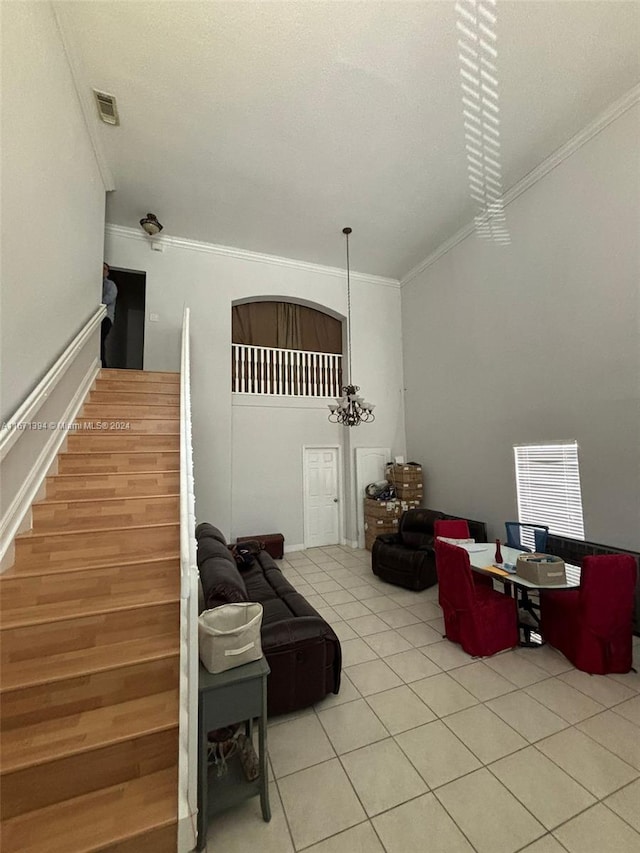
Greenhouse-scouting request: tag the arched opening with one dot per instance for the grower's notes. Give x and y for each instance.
(285, 348)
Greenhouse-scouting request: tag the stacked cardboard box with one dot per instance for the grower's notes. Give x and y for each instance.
(407, 481)
(371, 533)
(383, 517)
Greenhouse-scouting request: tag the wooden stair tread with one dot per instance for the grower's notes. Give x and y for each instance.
(18, 570)
(54, 501)
(97, 474)
(101, 393)
(129, 385)
(128, 412)
(98, 433)
(73, 487)
(82, 441)
(71, 664)
(32, 705)
(95, 821)
(19, 592)
(110, 461)
(138, 397)
(40, 743)
(60, 611)
(144, 419)
(127, 373)
(52, 534)
(98, 404)
(94, 453)
(57, 514)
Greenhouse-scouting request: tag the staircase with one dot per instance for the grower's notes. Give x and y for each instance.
(90, 635)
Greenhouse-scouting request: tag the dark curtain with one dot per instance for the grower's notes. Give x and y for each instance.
(286, 326)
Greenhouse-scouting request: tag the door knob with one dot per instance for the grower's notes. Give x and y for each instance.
(335, 500)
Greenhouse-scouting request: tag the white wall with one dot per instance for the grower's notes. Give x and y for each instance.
(52, 203)
(267, 450)
(264, 444)
(536, 341)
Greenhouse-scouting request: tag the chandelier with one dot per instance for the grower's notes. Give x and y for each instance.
(351, 409)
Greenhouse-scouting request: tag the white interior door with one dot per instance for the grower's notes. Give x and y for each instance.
(370, 462)
(322, 498)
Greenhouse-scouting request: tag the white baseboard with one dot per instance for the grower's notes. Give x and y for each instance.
(349, 543)
(20, 508)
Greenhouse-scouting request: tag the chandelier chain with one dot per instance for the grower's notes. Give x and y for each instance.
(351, 409)
(346, 232)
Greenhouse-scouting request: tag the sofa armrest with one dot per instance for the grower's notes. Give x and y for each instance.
(388, 539)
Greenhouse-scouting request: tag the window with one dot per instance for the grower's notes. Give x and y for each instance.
(548, 484)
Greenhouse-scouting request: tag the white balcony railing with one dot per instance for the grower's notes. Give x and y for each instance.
(285, 372)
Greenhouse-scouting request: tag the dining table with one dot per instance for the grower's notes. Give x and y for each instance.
(482, 560)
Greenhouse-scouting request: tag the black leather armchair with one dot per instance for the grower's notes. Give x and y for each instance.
(407, 558)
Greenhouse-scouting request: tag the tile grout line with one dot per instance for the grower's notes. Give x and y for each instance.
(479, 702)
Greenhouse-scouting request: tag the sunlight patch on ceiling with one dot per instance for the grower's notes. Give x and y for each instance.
(476, 24)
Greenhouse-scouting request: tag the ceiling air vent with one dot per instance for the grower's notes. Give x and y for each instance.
(107, 107)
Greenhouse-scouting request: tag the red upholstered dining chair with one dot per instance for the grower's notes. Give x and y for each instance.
(459, 529)
(482, 621)
(453, 529)
(592, 625)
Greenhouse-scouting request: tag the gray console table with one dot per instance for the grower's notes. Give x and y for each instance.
(229, 697)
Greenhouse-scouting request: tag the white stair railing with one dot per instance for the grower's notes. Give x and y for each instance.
(188, 727)
(285, 372)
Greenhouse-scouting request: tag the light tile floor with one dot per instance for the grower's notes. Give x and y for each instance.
(427, 748)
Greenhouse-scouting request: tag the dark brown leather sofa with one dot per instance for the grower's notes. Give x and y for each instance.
(301, 649)
(407, 558)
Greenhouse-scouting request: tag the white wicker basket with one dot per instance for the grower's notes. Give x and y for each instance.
(229, 635)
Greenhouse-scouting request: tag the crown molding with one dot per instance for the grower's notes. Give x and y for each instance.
(613, 112)
(245, 255)
(80, 77)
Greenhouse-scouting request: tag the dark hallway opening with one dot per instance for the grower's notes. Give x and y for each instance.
(125, 343)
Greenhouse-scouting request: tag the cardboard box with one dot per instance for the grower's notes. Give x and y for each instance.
(410, 492)
(382, 525)
(405, 474)
(542, 569)
(410, 504)
(382, 509)
(388, 509)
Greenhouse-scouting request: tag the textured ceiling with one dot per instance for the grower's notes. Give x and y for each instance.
(269, 126)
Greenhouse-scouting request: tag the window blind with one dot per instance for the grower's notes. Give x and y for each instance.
(548, 486)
